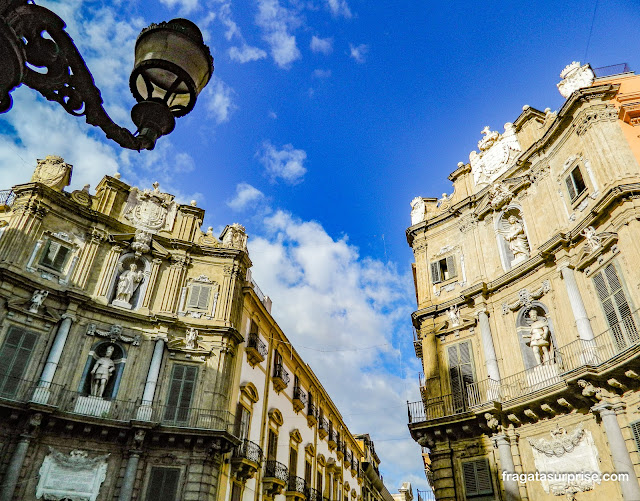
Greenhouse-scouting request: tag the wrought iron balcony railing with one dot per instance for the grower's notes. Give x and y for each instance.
(257, 344)
(275, 469)
(280, 372)
(248, 450)
(299, 394)
(296, 484)
(7, 198)
(312, 410)
(312, 494)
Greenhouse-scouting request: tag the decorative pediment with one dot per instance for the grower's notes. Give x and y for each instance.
(189, 348)
(595, 246)
(310, 449)
(250, 391)
(321, 460)
(275, 416)
(295, 436)
(208, 238)
(114, 333)
(234, 237)
(34, 306)
(526, 297)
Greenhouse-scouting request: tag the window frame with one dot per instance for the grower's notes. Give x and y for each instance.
(440, 266)
(572, 185)
(478, 491)
(150, 484)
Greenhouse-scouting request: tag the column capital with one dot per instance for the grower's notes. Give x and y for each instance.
(500, 439)
(604, 409)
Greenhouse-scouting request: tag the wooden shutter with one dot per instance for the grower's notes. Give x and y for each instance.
(293, 462)
(163, 484)
(272, 445)
(451, 266)
(319, 483)
(235, 491)
(635, 431)
(461, 373)
(14, 358)
(578, 180)
(181, 388)
(436, 276)
(199, 297)
(477, 477)
(307, 473)
(616, 307)
(570, 188)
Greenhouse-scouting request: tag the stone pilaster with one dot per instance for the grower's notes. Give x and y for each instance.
(87, 257)
(12, 473)
(108, 269)
(173, 283)
(22, 231)
(148, 293)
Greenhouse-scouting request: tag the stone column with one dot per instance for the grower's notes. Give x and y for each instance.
(108, 270)
(126, 491)
(511, 489)
(53, 359)
(144, 411)
(619, 453)
(83, 267)
(577, 305)
(490, 357)
(22, 231)
(12, 473)
(444, 485)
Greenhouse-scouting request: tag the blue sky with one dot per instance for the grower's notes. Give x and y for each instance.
(323, 120)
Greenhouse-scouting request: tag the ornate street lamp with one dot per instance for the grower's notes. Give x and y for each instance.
(172, 66)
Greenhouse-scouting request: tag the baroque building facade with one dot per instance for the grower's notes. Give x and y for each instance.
(138, 360)
(527, 324)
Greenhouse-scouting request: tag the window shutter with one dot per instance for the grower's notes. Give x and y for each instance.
(635, 430)
(578, 180)
(272, 445)
(451, 266)
(193, 297)
(477, 477)
(60, 259)
(163, 484)
(293, 462)
(570, 188)
(14, 358)
(461, 373)
(235, 492)
(183, 378)
(199, 297)
(435, 273)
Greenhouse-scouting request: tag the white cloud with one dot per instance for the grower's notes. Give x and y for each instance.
(272, 115)
(286, 164)
(321, 73)
(321, 45)
(349, 318)
(219, 100)
(246, 197)
(185, 6)
(246, 53)
(359, 52)
(339, 8)
(277, 22)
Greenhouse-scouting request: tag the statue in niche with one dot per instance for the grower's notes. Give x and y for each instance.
(101, 373)
(128, 282)
(539, 338)
(516, 238)
(192, 339)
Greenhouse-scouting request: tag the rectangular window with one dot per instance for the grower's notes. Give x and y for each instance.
(199, 297)
(461, 373)
(293, 462)
(243, 419)
(14, 358)
(616, 307)
(635, 431)
(477, 478)
(575, 183)
(307, 472)
(55, 255)
(319, 483)
(272, 445)
(163, 484)
(236, 491)
(181, 388)
(443, 270)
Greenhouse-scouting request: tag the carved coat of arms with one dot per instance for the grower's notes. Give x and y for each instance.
(497, 152)
(150, 210)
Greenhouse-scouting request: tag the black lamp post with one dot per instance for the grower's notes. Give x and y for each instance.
(172, 66)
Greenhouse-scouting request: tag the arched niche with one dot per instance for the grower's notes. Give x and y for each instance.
(98, 351)
(512, 237)
(129, 282)
(523, 328)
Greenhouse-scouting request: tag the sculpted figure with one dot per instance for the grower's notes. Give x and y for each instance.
(540, 338)
(128, 283)
(454, 315)
(101, 373)
(192, 339)
(37, 299)
(516, 238)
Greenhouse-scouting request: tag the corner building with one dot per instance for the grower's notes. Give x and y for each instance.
(527, 321)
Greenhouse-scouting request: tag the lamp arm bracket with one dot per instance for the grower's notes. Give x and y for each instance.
(64, 76)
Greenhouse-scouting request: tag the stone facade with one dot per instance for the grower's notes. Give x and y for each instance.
(526, 280)
(295, 445)
(120, 321)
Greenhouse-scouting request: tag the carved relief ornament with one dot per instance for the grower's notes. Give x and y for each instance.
(151, 210)
(497, 153)
(575, 77)
(526, 298)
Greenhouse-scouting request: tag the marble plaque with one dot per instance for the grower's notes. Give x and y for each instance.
(75, 477)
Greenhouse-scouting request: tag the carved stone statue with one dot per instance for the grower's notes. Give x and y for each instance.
(592, 392)
(539, 338)
(37, 299)
(418, 210)
(593, 239)
(192, 339)
(128, 282)
(101, 373)
(454, 315)
(516, 238)
(235, 237)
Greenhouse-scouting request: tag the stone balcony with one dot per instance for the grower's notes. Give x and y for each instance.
(245, 460)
